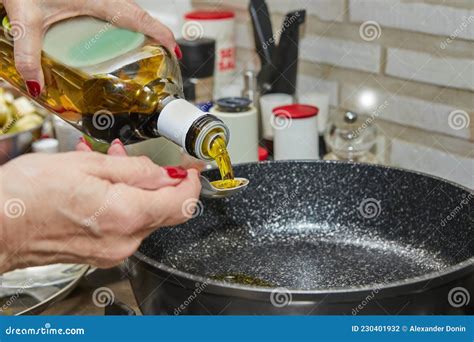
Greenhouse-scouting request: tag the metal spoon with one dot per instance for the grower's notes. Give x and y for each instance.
(210, 191)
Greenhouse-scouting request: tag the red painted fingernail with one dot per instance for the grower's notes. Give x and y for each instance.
(34, 88)
(117, 142)
(176, 172)
(84, 141)
(178, 53)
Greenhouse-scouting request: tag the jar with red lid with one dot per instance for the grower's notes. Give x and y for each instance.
(295, 132)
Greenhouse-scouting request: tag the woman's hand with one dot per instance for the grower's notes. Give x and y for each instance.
(35, 17)
(86, 207)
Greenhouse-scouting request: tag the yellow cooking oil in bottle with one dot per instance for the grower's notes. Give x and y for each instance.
(113, 83)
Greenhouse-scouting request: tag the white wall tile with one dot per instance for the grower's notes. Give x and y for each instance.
(343, 53)
(307, 84)
(419, 66)
(333, 10)
(244, 36)
(433, 161)
(404, 110)
(422, 114)
(247, 60)
(415, 16)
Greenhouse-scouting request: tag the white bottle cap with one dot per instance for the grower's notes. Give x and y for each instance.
(178, 117)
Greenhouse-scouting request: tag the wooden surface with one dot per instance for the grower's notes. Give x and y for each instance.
(80, 301)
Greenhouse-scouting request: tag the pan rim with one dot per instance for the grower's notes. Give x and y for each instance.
(389, 289)
(319, 161)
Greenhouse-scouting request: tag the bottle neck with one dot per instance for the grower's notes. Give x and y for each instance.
(189, 127)
(200, 137)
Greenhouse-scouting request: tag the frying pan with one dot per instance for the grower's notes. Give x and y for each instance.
(324, 237)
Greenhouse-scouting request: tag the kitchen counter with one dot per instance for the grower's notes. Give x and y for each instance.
(80, 302)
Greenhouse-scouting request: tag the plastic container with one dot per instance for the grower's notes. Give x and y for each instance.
(240, 116)
(49, 146)
(320, 100)
(268, 102)
(295, 130)
(67, 135)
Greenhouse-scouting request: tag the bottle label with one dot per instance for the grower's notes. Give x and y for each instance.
(175, 120)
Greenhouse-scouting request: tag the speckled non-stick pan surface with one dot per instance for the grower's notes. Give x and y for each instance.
(319, 225)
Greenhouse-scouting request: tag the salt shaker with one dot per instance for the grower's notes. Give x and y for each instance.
(350, 138)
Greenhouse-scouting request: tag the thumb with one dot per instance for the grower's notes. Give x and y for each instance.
(27, 35)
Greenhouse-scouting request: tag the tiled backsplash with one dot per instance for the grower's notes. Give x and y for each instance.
(413, 58)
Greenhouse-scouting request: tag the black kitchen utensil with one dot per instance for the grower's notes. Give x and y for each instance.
(279, 68)
(325, 236)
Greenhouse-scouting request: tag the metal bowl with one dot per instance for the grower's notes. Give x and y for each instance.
(14, 145)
